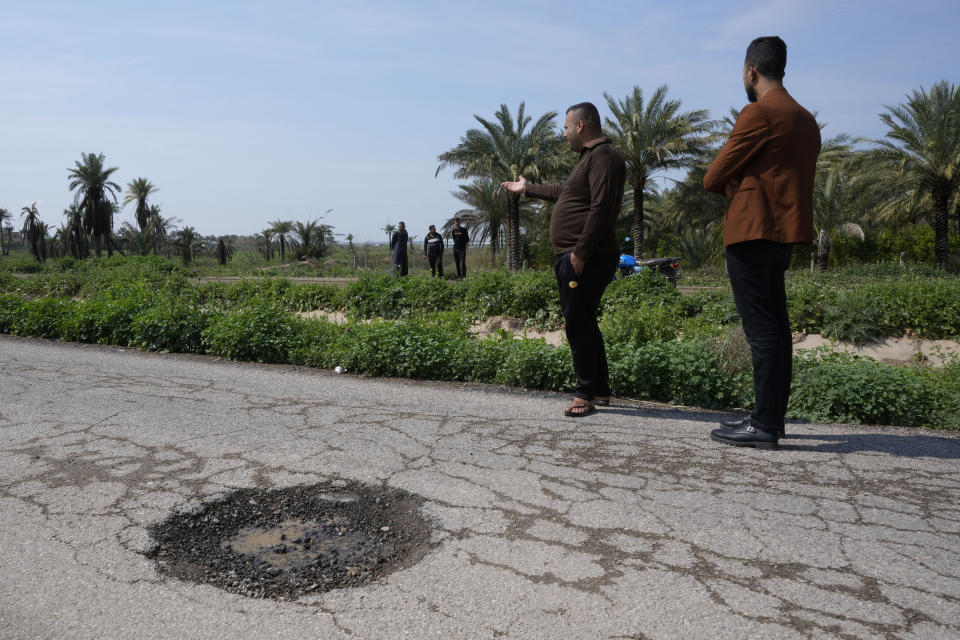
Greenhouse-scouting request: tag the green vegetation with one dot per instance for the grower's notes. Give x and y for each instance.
(662, 345)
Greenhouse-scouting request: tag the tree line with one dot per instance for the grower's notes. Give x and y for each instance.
(910, 176)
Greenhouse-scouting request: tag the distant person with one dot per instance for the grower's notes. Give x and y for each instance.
(433, 251)
(398, 248)
(766, 168)
(585, 249)
(460, 240)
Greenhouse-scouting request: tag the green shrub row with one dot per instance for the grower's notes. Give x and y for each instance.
(705, 369)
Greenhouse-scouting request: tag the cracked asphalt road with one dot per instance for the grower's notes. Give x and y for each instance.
(628, 524)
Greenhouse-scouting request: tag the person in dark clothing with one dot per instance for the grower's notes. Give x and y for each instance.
(460, 240)
(582, 232)
(433, 250)
(398, 247)
(767, 169)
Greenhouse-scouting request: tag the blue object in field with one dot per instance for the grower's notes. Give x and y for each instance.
(626, 260)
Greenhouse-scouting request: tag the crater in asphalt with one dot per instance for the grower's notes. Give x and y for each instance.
(286, 543)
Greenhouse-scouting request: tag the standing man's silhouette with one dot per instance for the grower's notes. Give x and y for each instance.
(766, 168)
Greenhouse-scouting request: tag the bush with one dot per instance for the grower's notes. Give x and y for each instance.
(635, 291)
(830, 387)
(169, 326)
(639, 325)
(40, 318)
(262, 332)
(686, 373)
(534, 363)
(10, 306)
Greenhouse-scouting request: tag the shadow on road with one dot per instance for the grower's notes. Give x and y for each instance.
(904, 445)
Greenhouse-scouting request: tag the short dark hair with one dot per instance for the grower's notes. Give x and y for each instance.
(768, 55)
(588, 113)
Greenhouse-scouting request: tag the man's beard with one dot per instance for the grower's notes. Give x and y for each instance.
(751, 93)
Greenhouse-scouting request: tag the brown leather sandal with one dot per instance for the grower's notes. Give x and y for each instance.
(579, 408)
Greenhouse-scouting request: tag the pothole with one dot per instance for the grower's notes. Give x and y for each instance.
(286, 543)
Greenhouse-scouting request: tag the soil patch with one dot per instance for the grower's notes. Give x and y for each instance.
(890, 350)
(286, 543)
(492, 324)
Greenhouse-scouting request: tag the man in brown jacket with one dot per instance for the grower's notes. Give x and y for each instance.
(766, 168)
(582, 232)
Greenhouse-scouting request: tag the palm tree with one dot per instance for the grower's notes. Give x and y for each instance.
(833, 207)
(34, 230)
(138, 240)
(137, 191)
(922, 146)
(94, 190)
(486, 212)
(224, 250)
(4, 215)
(389, 229)
(503, 151)
(281, 229)
(160, 228)
(265, 244)
(312, 236)
(187, 241)
(75, 241)
(654, 137)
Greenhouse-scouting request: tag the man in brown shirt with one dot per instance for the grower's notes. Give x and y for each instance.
(766, 168)
(582, 232)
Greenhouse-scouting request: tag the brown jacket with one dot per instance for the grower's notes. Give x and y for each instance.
(772, 152)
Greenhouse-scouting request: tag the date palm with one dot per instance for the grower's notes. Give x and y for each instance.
(486, 212)
(281, 229)
(652, 137)
(187, 241)
(224, 250)
(503, 150)
(922, 147)
(835, 208)
(91, 180)
(4, 216)
(75, 241)
(31, 229)
(138, 191)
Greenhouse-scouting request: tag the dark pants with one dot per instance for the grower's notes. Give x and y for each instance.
(579, 306)
(756, 275)
(460, 257)
(400, 268)
(436, 263)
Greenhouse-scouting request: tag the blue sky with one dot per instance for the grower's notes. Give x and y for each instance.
(247, 112)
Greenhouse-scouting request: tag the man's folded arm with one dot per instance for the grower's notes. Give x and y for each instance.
(747, 138)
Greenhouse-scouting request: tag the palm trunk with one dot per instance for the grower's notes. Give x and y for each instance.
(283, 250)
(494, 241)
(823, 255)
(638, 219)
(513, 232)
(940, 230)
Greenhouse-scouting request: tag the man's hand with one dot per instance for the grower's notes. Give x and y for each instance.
(577, 263)
(515, 187)
(731, 188)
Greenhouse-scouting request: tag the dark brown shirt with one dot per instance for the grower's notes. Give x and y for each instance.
(588, 203)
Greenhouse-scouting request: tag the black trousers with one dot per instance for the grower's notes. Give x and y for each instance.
(756, 271)
(436, 263)
(460, 257)
(580, 305)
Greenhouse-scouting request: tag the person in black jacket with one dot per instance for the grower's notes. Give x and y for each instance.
(398, 247)
(433, 251)
(460, 240)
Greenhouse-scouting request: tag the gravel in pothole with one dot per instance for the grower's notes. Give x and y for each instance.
(286, 543)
